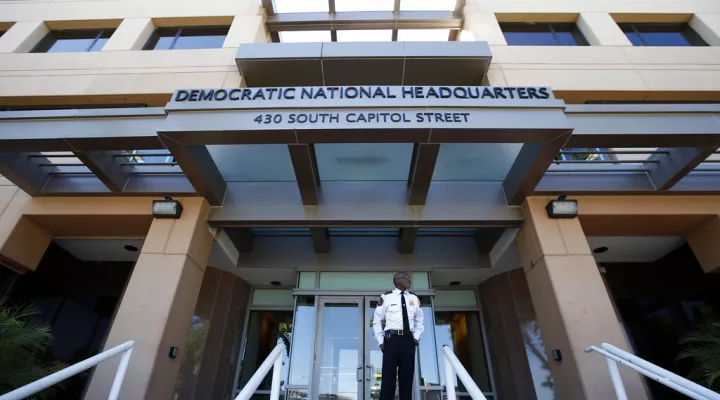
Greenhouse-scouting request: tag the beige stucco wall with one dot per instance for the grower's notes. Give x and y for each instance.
(610, 69)
(121, 72)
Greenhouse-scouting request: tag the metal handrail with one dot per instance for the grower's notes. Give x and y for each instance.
(274, 361)
(454, 366)
(614, 355)
(44, 383)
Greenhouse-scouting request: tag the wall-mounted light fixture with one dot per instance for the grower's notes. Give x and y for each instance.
(167, 208)
(562, 208)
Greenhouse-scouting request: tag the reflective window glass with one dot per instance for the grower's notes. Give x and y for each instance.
(461, 331)
(662, 34)
(266, 329)
(208, 37)
(67, 41)
(542, 34)
(201, 38)
(304, 333)
(634, 38)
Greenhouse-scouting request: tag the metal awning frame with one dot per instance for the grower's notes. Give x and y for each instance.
(685, 136)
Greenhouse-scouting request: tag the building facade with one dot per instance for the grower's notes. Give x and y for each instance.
(318, 147)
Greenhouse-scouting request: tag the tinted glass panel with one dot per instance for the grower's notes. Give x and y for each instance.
(634, 38)
(531, 34)
(187, 38)
(662, 35)
(201, 38)
(566, 39)
(73, 41)
(530, 38)
(664, 39)
(70, 45)
(164, 43)
(99, 44)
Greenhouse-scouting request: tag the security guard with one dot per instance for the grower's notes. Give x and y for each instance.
(403, 326)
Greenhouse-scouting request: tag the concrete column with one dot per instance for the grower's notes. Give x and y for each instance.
(246, 29)
(22, 37)
(707, 26)
(600, 29)
(132, 34)
(705, 244)
(157, 307)
(22, 241)
(485, 27)
(572, 305)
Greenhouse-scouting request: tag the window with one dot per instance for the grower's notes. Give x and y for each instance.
(541, 34)
(207, 37)
(73, 41)
(583, 154)
(662, 35)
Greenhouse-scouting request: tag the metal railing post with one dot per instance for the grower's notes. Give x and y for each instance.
(456, 367)
(616, 379)
(120, 375)
(277, 374)
(271, 361)
(44, 383)
(616, 356)
(449, 380)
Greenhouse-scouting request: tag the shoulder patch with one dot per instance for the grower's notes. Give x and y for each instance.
(380, 302)
(412, 293)
(388, 292)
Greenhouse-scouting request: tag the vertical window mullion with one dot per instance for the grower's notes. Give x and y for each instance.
(94, 41)
(639, 35)
(554, 34)
(177, 35)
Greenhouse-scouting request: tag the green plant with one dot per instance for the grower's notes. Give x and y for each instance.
(702, 346)
(23, 340)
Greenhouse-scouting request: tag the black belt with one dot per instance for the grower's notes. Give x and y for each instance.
(394, 332)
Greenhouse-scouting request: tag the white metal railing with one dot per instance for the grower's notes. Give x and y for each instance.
(614, 355)
(452, 367)
(274, 361)
(65, 373)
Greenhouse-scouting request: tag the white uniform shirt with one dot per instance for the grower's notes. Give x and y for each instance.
(389, 308)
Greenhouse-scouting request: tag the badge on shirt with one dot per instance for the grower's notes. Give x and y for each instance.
(381, 301)
(412, 303)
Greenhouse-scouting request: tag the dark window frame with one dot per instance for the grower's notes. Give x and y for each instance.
(178, 32)
(52, 37)
(693, 38)
(552, 27)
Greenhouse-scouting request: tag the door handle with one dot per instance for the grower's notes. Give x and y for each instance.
(369, 372)
(358, 374)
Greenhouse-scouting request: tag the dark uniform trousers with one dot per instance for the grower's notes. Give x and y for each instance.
(398, 357)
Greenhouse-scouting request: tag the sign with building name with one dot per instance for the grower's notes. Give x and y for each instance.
(361, 107)
(399, 93)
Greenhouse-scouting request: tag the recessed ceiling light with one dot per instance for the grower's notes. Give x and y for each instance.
(455, 283)
(275, 283)
(132, 248)
(600, 249)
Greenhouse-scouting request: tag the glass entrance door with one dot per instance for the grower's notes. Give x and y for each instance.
(339, 356)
